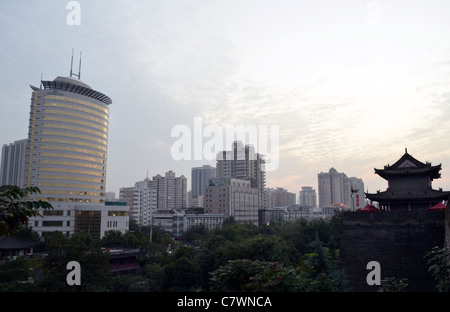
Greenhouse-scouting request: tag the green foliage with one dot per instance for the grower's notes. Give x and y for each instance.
(195, 234)
(257, 276)
(393, 284)
(95, 266)
(129, 283)
(438, 265)
(182, 274)
(268, 269)
(17, 275)
(323, 268)
(15, 209)
(289, 257)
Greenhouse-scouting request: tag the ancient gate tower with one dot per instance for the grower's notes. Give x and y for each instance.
(399, 234)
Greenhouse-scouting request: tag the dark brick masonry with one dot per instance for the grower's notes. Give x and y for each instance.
(398, 240)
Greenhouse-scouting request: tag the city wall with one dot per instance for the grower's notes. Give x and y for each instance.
(397, 240)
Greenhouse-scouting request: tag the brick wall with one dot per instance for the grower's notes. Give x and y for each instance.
(397, 240)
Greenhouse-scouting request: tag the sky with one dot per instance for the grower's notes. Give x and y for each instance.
(345, 84)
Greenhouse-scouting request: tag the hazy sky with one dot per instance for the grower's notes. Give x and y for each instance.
(350, 84)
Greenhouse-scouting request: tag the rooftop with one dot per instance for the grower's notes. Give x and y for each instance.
(408, 166)
(70, 84)
(408, 195)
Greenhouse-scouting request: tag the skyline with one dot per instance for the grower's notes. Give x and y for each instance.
(350, 86)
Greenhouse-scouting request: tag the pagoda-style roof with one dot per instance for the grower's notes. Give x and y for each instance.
(393, 196)
(9, 242)
(438, 206)
(369, 208)
(409, 166)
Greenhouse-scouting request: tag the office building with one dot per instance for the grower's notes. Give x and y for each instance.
(176, 222)
(68, 135)
(233, 198)
(12, 167)
(199, 179)
(66, 158)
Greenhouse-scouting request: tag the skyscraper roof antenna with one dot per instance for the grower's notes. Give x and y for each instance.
(79, 67)
(71, 64)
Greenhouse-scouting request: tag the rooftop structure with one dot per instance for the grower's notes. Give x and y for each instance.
(409, 185)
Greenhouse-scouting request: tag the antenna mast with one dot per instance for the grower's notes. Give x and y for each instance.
(71, 64)
(79, 67)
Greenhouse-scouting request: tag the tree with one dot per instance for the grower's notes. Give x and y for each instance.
(129, 283)
(438, 265)
(195, 234)
(258, 276)
(393, 284)
(323, 268)
(17, 275)
(94, 263)
(15, 209)
(259, 247)
(182, 275)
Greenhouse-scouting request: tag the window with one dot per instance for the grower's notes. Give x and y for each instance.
(52, 223)
(117, 213)
(88, 222)
(52, 213)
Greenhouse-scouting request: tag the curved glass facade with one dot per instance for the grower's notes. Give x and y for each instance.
(67, 142)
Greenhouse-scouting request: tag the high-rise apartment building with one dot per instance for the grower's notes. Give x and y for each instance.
(66, 158)
(166, 192)
(336, 188)
(12, 167)
(126, 196)
(308, 197)
(279, 197)
(242, 162)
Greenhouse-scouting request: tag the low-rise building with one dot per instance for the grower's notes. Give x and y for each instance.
(177, 222)
(13, 247)
(124, 261)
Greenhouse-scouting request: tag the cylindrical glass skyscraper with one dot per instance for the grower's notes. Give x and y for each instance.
(67, 149)
(68, 140)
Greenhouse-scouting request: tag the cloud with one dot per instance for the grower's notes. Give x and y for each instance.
(344, 93)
